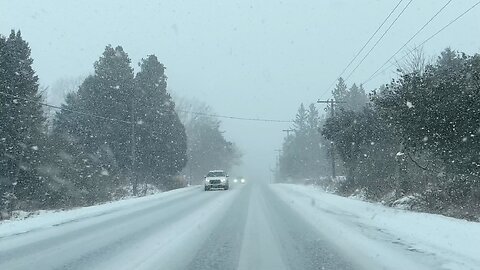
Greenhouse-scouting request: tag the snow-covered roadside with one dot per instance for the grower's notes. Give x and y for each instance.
(391, 238)
(145, 190)
(50, 218)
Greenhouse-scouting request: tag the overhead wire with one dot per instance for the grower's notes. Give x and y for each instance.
(129, 122)
(366, 43)
(65, 109)
(236, 118)
(381, 37)
(425, 41)
(412, 37)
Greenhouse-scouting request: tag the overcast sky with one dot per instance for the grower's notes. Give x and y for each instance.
(244, 58)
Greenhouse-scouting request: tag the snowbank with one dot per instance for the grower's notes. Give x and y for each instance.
(373, 232)
(49, 218)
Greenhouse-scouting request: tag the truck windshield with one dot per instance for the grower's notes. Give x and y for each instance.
(216, 174)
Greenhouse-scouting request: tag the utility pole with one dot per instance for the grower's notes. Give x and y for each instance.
(135, 180)
(288, 131)
(332, 103)
(277, 165)
(278, 151)
(272, 176)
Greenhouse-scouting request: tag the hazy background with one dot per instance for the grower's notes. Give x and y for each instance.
(244, 58)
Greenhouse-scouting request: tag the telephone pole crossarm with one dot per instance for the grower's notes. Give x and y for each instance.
(332, 103)
(288, 131)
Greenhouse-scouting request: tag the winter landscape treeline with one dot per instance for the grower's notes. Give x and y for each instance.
(116, 135)
(304, 152)
(412, 142)
(204, 139)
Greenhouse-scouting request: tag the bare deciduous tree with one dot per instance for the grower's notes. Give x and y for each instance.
(415, 61)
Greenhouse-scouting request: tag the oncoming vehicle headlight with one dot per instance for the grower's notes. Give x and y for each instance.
(242, 180)
(235, 180)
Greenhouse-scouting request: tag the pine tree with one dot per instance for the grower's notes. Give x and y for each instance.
(85, 173)
(312, 119)
(449, 59)
(111, 96)
(205, 139)
(161, 139)
(340, 90)
(300, 122)
(303, 154)
(355, 99)
(22, 122)
(100, 147)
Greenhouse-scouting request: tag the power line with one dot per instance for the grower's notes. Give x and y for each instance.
(425, 41)
(378, 41)
(236, 118)
(129, 122)
(65, 109)
(411, 38)
(366, 43)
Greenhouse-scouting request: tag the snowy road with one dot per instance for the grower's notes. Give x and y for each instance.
(247, 227)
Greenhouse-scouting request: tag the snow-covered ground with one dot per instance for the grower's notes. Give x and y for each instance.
(253, 226)
(48, 218)
(395, 238)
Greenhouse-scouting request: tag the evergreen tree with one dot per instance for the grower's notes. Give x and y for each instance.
(340, 90)
(437, 111)
(449, 59)
(316, 145)
(300, 122)
(22, 121)
(111, 96)
(161, 138)
(300, 144)
(205, 139)
(355, 98)
(304, 152)
(366, 145)
(83, 172)
(101, 145)
(312, 119)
